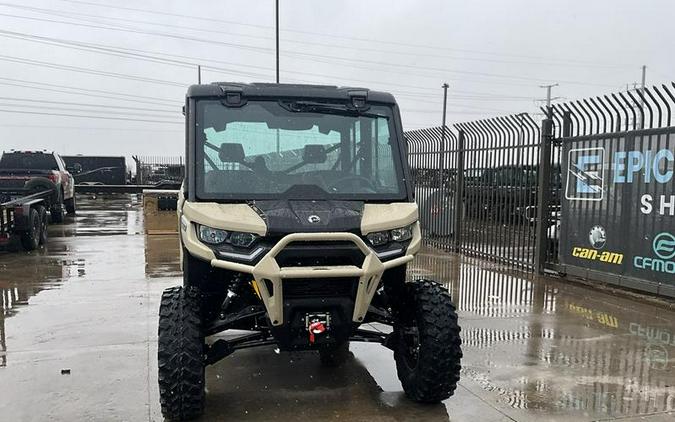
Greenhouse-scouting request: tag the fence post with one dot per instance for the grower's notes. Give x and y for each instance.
(543, 194)
(567, 125)
(459, 194)
(138, 170)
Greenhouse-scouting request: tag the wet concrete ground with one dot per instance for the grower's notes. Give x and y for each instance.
(534, 349)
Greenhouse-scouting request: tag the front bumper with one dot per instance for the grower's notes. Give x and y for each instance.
(268, 274)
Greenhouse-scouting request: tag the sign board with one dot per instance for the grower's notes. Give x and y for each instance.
(618, 207)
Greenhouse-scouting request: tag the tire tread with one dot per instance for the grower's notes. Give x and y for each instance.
(181, 354)
(437, 372)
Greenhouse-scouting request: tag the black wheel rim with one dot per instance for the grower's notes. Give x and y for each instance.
(44, 226)
(36, 229)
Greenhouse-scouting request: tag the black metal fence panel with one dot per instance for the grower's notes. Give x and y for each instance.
(590, 192)
(618, 209)
(155, 170)
(477, 186)
(433, 159)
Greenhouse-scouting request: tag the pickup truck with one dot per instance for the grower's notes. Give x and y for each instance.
(26, 172)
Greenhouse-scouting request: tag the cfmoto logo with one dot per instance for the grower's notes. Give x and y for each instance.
(664, 248)
(314, 219)
(664, 245)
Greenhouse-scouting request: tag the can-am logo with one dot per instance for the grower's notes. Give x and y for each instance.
(585, 179)
(597, 237)
(663, 246)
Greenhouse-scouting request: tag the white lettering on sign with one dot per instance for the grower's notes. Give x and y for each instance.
(646, 201)
(666, 204)
(670, 204)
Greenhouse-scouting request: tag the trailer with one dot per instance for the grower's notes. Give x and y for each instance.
(25, 218)
(97, 170)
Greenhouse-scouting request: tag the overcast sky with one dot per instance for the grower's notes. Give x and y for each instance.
(107, 60)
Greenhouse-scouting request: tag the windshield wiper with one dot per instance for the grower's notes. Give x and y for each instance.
(327, 108)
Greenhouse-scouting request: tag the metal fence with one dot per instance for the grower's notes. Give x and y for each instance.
(618, 208)
(477, 186)
(589, 191)
(155, 170)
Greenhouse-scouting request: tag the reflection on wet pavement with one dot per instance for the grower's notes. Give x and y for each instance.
(546, 345)
(161, 256)
(534, 348)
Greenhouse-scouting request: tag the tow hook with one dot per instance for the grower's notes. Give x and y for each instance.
(315, 328)
(317, 323)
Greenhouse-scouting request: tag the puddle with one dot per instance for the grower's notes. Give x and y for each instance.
(540, 343)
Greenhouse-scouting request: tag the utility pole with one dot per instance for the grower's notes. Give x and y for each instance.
(199, 74)
(445, 105)
(548, 97)
(277, 27)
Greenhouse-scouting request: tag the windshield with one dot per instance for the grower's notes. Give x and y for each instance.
(296, 150)
(28, 161)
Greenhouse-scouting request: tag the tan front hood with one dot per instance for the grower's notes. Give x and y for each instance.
(378, 217)
(233, 217)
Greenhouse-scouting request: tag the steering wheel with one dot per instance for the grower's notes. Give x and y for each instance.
(368, 183)
(313, 178)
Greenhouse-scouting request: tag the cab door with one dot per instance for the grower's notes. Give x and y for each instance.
(67, 179)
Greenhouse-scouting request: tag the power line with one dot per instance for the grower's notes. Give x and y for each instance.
(89, 71)
(86, 92)
(107, 129)
(321, 34)
(89, 116)
(310, 56)
(106, 106)
(112, 27)
(269, 38)
(121, 51)
(87, 110)
(113, 50)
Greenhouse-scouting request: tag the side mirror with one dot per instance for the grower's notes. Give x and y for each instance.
(75, 168)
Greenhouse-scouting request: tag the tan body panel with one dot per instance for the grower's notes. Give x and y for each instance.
(378, 217)
(234, 217)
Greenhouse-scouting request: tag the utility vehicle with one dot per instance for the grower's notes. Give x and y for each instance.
(297, 220)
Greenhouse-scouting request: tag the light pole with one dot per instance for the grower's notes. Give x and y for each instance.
(277, 28)
(445, 104)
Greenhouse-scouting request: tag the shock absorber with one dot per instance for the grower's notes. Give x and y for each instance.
(233, 291)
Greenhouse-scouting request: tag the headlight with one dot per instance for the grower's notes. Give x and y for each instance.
(378, 238)
(242, 240)
(397, 235)
(402, 234)
(211, 236)
(217, 236)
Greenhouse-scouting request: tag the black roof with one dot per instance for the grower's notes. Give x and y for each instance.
(216, 89)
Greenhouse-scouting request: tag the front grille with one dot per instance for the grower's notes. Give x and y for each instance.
(324, 287)
(320, 254)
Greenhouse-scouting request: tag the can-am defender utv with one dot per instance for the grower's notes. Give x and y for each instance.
(297, 220)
